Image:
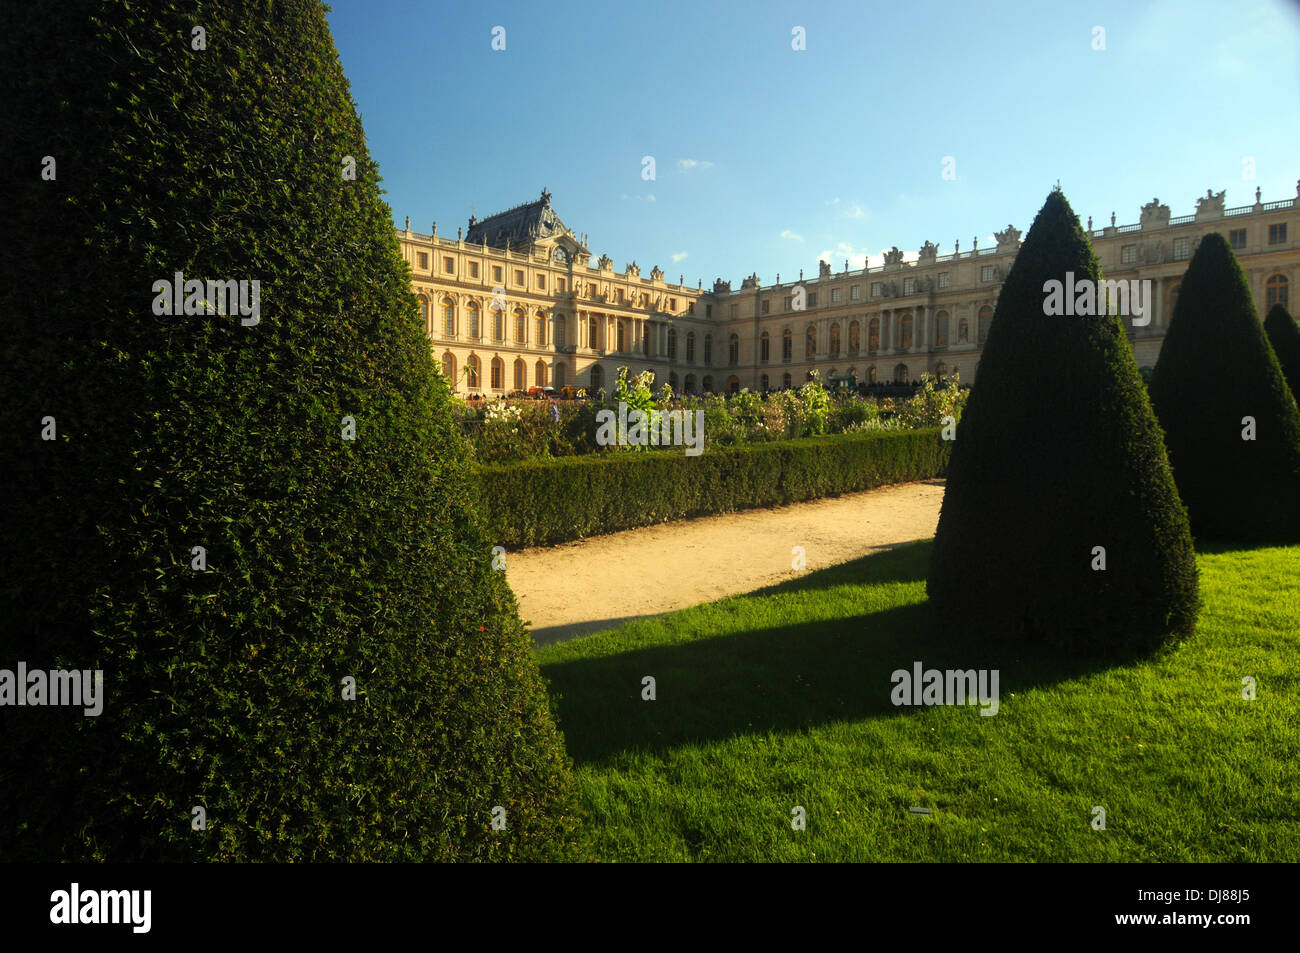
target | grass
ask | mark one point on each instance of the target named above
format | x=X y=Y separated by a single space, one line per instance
x=782 y=698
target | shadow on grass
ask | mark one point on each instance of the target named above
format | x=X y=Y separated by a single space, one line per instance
x=778 y=678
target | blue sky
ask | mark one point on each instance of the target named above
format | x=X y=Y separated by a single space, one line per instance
x=768 y=158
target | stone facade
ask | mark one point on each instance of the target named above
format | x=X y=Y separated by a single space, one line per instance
x=518 y=303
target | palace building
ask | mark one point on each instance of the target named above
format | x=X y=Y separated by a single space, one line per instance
x=515 y=301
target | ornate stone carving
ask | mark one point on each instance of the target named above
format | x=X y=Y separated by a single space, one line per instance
x=656 y=272
x=894 y=256
x=750 y=282
x=1008 y=236
x=1154 y=214
x=1211 y=206
x=929 y=251
x=633 y=269
x=823 y=269
x=721 y=287
x=605 y=263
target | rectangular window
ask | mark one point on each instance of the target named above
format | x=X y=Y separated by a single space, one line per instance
x=835 y=296
x=448 y=265
x=708 y=310
x=541 y=282
x=765 y=307
x=690 y=307
x=875 y=289
x=735 y=310
x=789 y=302
x=672 y=305
x=473 y=269
x=1128 y=255
x=496 y=273
x=424 y=261
x=1182 y=249
x=1237 y=237
x=1277 y=234
x=620 y=295
x=519 y=277
x=855 y=293
x=909 y=286
x=986 y=273
x=944 y=279
x=812 y=299
x=559 y=285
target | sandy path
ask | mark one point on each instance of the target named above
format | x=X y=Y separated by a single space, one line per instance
x=565 y=590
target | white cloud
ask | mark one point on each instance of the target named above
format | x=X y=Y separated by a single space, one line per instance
x=685 y=165
x=791 y=235
x=855 y=211
x=679 y=256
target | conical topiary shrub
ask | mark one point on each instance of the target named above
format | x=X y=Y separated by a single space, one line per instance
x=256 y=525
x=1231 y=424
x=1058 y=470
x=1283 y=334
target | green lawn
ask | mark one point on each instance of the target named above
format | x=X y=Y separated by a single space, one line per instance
x=782 y=698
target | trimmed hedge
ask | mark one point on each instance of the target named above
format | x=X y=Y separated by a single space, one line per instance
x=553 y=501
x=1283 y=334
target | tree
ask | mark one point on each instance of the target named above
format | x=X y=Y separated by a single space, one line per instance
x=258 y=525
x=1283 y=334
x=1234 y=444
x=1061 y=524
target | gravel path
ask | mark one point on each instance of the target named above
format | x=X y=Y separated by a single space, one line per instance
x=569 y=589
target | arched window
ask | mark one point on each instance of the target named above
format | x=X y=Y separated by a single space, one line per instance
x=471 y=372
x=835 y=340
x=690 y=351
x=905 y=333
x=622 y=336
x=540 y=340
x=787 y=346
x=785 y=380
x=519 y=325
x=521 y=374
x=984 y=320
x=672 y=382
x=499 y=324
x=559 y=376
x=810 y=343
x=672 y=344
x=593 y=333
x=539 y=374
x=706 y=385
x=559 y=331
x=764 y=381
x=597 y=378
x=448 y=318
x=690 y=380
x=424 y=315
x=873 y=335
x=871 y=374
x=708 y=351
x=733 y=350
x=941 y=329
x=900 y=374
x=764 y=347
x=963 y=331
x=472 y=315
x=1276 y=291
x=941 y=370
x=449 y=367
x=855 y=338
x=498 y=374
x=733 y=385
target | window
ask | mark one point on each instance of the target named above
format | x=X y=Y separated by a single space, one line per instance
x=708 y=310
x=963 y=331
x=785 y=381
x=986 y=274
x=519 y=277
x=812 y=300
x=645 y=339
x=448 y=318
x=875 y=289
x=733 y=385
x=519 y=325
x=559 y=331
x=855 y=293
x=496 y=273
x=1237 y=238
x=764 y=383
x=597 y=377
x=1277 y=234
x=708 y=352
x=835 y=340
x=559 y=376
x=787 y=347
x=672 y=305
x=706 y=385
x=424 y=261
x=540 y=340
x=765 y=306
x=539 y=374
x=1182 y=249
x=618 y=295
x=690 y=307
x=983 y=322
x=672 y=344
x=471 y=372
x=1275 y=291
x=764 y=347
x=449 y=366
x=906 y=332
x=499 y=325
x=900 y=374
x=424 y=314
x=941 y=370
x=873 y=335
x=941 y=329
x=733 y=350
x=835 y=296
x=789 y=302
x=871 y=374
x=672 y=383
x=620 y=335
x=521 y=376
x=448 y=265
x=541 y=282
x=498 y=373
x=855 y=338
x=909 y=286
x=735 y=310
x=944 y=279
x=593 y=336
x=472 y=310
x=690 y=384
x=473 y=269
x=560 y=285
x=809 y=343
x=690 y=348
